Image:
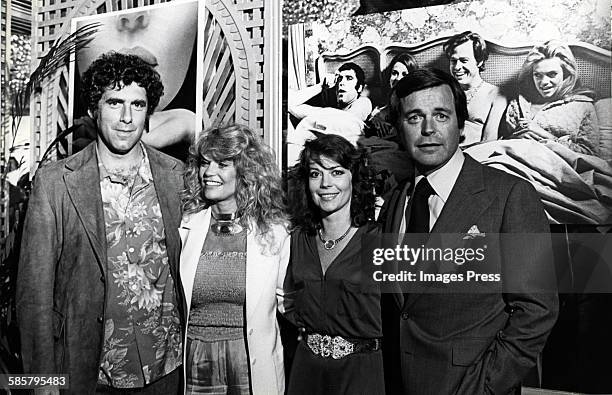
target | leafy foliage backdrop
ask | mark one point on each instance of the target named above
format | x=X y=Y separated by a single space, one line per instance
x=511 y=22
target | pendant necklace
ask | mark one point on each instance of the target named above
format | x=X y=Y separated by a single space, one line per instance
x=470 y=93
x=331 y=243
x=226 y=224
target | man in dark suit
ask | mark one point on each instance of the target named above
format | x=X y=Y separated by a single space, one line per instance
x=98 y=292
x=468 y=343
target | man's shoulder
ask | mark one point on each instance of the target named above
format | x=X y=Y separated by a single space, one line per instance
x=500 y=180
x=164 y=160
x=56 y=169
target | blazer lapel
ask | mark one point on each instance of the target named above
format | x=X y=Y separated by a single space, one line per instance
x=168 y=182
x=395 y=211
x=193 y=233
x=259 y=272
x=466 y=202
x=394 y=219
x=83 y=186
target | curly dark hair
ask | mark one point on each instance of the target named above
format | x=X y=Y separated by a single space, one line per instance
x=259 y=193
x=304 y=214
x=359 y=73
x=114 y=70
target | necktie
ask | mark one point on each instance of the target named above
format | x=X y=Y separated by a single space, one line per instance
x=419 y=211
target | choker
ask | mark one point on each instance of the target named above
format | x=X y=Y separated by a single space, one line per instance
x=331 y=243
x=226 y=224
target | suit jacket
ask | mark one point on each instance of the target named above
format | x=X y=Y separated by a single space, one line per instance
x=475 y=343
x=63 y=263
x=266 y=265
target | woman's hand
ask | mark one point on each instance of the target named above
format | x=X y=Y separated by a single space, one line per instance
x=529 y=129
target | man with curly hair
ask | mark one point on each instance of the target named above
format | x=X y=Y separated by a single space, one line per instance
x=98 y=293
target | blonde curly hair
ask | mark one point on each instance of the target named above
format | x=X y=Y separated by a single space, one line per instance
x=259 y=193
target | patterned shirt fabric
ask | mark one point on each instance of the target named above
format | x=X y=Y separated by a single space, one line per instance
x=219 y=289
x=142 y=332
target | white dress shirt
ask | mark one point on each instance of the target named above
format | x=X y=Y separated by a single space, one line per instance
x=442 y=181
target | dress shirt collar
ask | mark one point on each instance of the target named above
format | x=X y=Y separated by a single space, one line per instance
x=443 y=179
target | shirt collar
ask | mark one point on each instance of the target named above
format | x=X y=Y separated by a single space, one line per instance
x=443 y=179
x=144 y=169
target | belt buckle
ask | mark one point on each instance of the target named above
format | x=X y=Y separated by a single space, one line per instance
x=341 y=348
x=328 y=346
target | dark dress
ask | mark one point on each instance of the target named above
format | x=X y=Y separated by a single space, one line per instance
x=334 y=304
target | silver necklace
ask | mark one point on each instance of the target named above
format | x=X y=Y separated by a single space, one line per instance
x=470 y=93
x=331 y=243
x=226 y=224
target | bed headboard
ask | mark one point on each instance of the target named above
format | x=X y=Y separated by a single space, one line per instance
x=501 y=68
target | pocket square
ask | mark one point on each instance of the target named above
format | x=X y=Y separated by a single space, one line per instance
x=473 y=232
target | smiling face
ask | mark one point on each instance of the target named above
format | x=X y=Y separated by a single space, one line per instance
x=463 y=65
x=163 y=37
x=398 y=72
x=121 y=117
x=330 y=186
x=346 y=87
x=548 y=77
x=218 y=180
x=429 y=129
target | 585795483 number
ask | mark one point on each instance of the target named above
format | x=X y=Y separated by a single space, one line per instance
x=31 y=381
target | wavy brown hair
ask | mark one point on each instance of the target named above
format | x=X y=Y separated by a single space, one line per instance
x=259 y=193
x=304 y=213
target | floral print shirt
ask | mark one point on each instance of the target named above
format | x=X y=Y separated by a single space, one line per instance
x=142 y=333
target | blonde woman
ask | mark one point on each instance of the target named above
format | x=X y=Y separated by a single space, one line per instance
x=552 y=105
x=233 y=263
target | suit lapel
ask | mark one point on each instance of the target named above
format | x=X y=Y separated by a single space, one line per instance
x=83 y=186
x=393 y=221
x=395 y=215
x=168 y=182
x=466 y=202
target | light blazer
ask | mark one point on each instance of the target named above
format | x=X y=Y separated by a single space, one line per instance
x=62 y=267
x=265 y=273
x=476 y=343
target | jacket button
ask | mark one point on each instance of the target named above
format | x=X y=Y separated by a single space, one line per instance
x=102 y=278
x=250 y=331
x=253 y=361
x=405 y=316
x=100 y=319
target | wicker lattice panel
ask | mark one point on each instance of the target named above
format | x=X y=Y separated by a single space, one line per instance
x=233 y=60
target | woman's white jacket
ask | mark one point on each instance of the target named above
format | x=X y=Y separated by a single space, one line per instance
x=266 y=265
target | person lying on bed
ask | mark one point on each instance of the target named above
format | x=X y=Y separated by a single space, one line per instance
x=344 y=94
x=552 y=105
x=337 y=110
x=382 y=120
x=467 y=53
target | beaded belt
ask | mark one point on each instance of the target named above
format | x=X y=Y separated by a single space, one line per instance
x=338 y=347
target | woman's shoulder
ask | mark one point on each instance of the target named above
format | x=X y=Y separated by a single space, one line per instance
x=193 y=218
